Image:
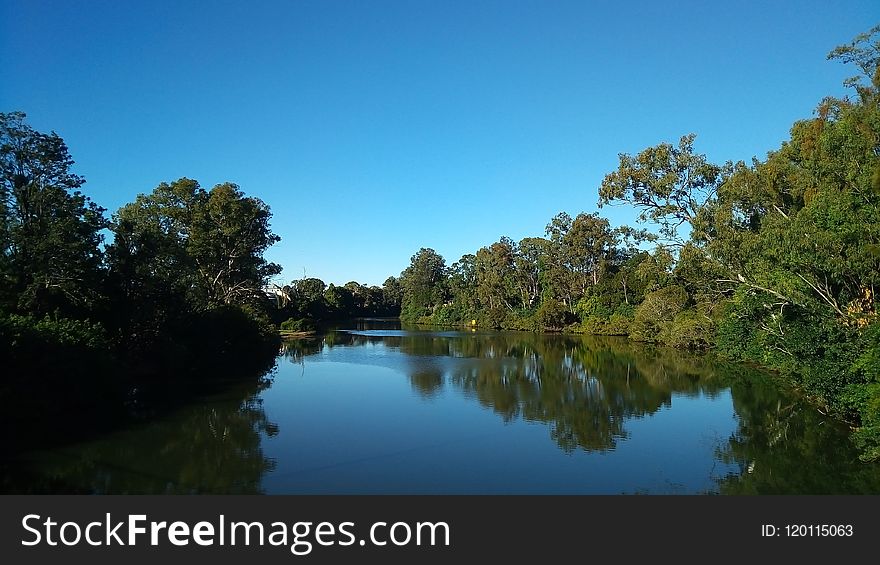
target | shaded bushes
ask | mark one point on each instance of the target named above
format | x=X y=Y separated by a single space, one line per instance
x=300 y=325
x=653 y=316
x=56 y=371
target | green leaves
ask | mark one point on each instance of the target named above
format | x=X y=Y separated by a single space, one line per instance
x=181 y=251
x=864 y=52
x=669 y=185
x=210 y=243
x=51 y=233
x=424 y=284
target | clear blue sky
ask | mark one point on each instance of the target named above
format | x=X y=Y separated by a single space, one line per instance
x=375 y=128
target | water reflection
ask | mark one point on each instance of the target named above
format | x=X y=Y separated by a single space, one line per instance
x=584 y=387
x=785 y=446
x=383 y=409
x=211 y=447
x=588 y=390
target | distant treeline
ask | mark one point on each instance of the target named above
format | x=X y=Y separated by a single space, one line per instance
x=305 y=303
x=776 y=261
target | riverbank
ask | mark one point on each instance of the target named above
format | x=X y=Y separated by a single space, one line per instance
x=292 y=334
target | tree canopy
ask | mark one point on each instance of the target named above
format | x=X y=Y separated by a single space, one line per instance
x=668 y=184
x=775 y=262
x=51 y=232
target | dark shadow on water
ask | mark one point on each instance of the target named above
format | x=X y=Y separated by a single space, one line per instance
x=165 y=430
x=213 y=446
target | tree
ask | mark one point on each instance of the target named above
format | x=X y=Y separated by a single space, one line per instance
x=182 y=250
x=577 y=252
x=392 y=295
x=307 y=298
x=587 y=246
x=153 y=279
x=655 y=269
x=557 y=283
x=627 y=255
x=360 y=296
x=374 y=301
x=462 y=286
x=229 y=234
x=209 y=244
x=423 y=284
x=340 y=300
x=530 y=265
x=495 y=276
x=151 y=276
x=668 y=184
x=799 y=236
x=50 y=234
x=864 y=51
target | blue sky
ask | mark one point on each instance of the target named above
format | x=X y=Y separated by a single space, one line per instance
x=375 y=128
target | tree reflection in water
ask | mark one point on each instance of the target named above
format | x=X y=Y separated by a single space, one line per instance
x=584 y=387
x=587 y=388
x=588 y=391
x=211 y=447
x=783 y=445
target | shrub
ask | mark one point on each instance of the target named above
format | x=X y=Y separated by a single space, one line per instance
x=25 y=335
x=867 y=396
x=653 y=316
x=738 y=336
x=867 y=436
x=690 y=330
x=551 y=315
x=593 y=325
x=493 y=317
x=618 y=324
x=446 y=315
x=59 y=368
x=591 y=307
x=225 y=342
x=300 y=325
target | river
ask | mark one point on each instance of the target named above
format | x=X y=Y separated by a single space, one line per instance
x=372 y=408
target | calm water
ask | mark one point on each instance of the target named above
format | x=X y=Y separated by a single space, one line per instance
x=375 y=410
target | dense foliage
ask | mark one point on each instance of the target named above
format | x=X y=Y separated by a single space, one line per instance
x=776 y=261
x=305 y=303
x=84 y=326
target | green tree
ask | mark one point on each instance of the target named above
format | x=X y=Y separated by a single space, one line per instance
x=799 y=236
x=424 y=284
x=558 y=279
x=392 y=295
x=308 y=298
x=227 y=239
x=864 y=52
x=587 y=247
x=340 y=300
x=360 y=297
x=209 y=242
x=669 y=185
x=578 y=251
x=530 y=264
x=462 y=286
x=50 y=233
x=181 y=251
x=494 y=271
x=151 y=277
x=626 y=256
